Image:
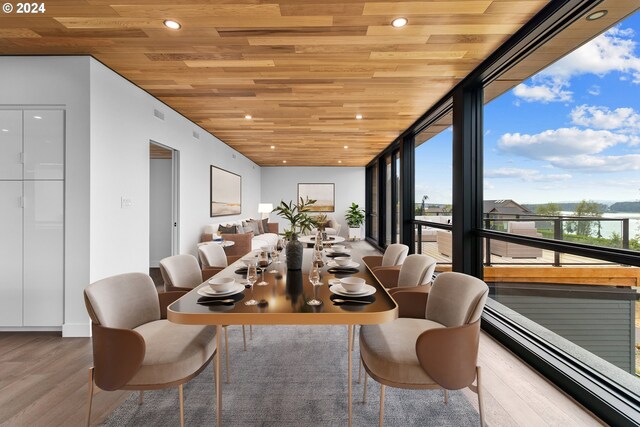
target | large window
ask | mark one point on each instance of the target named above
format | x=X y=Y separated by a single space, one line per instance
x=433 y=190
x=561 y=161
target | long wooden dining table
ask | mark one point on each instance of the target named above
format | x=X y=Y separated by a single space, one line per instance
x=283 y=302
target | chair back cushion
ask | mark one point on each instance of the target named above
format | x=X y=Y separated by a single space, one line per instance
x=212 y=255
x=125 y=301
x=416 y=270
x=181 y=271
x=395 y=254
x=522 y=227
x=456 y=299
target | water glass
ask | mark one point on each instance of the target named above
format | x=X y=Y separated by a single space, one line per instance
x=252 y=277
x=314 y=278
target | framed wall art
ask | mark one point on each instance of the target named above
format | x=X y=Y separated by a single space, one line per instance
x=226 y=192
x=323 y=194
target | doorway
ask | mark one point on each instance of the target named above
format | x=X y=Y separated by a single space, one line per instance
x=163 y=203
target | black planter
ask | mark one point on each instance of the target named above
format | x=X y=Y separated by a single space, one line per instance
x=294 y=253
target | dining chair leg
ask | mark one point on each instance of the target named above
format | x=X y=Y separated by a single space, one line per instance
x=226 y=352
x=446 y=396
x=90 y=396
x=181 y=405
x=381 y=422
x=141 y=397
x=364 y=394
x=360 y=371
x=479 y=391
x=244 y=338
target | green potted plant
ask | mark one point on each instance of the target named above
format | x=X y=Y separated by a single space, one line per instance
x=355 y=219
x=299 y=223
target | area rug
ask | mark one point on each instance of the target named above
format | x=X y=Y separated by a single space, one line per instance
x=292 y=376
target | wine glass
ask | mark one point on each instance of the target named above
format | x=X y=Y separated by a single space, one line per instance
x=314 y=278
x=252 y=277
x=274 y=258
x=263 y=262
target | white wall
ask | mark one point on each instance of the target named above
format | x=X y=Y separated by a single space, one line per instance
x=109 y=123
x=160 y=210
x=122 y=124
x=61 y=82
x=281 y=183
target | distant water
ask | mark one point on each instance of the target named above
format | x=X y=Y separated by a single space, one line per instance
x=609 y=227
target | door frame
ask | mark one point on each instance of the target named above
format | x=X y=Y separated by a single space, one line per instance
x=175 y=196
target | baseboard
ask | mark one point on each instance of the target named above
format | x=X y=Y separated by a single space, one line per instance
x=70 y=330
x=31 y=329
x=154 y=264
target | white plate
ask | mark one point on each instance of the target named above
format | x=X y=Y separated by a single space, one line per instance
x=352 y=264
x=331 y=250
x=339 y=290
x=206 y=291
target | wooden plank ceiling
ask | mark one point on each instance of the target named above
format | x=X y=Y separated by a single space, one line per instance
x=302 y=69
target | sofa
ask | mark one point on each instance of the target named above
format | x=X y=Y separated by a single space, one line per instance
x=429 y=234
x=513 y=250
x=244 y=242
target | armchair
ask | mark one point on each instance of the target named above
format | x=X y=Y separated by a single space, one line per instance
x=134 y=346
x=213 y=259
x=434 y=342
x=417 y=270
x=394 y=255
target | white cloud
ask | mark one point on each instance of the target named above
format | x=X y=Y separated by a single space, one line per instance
x=601 y=163
x=562 y=142
x=525 y=175
x=594 y=90
x=573 y=148
x=613 y=50
x=546 y=92
x=610 y=51
x=624 y=119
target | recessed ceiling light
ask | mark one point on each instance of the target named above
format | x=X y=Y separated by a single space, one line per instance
x=174 y=25
x=248 y=117
x=597 y=15
x=5 y=130
x=37 y=117
x=273 y=147
x=346 y=146
x=339 y=161
x=358 y=116
x=284 y=161
x=399 y=22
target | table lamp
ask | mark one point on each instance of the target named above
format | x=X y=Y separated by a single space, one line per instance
x=265 y=209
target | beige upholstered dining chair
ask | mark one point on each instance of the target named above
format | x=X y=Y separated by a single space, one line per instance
x=434 y=342
x=134 y=346
x=212 y=257
x=395 y=254
x=417 y=270
x=182 y=272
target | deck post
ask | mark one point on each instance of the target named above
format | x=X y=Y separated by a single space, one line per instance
x=557 y=235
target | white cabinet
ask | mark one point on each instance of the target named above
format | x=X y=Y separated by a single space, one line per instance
x=31 y=218
x=11 y=253
x=43 y=144
x=10 y=144
x=43 y=249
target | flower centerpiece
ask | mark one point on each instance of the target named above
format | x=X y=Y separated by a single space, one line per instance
x=299 y=223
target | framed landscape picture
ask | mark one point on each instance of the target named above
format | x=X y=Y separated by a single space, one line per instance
x=226 y=192
x=323 y=194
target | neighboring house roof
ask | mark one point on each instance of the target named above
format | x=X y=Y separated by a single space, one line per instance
x=506 y=206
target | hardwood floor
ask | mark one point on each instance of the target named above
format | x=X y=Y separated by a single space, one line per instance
x=43 y=382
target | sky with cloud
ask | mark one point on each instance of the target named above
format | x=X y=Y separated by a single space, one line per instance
x=569 y=133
